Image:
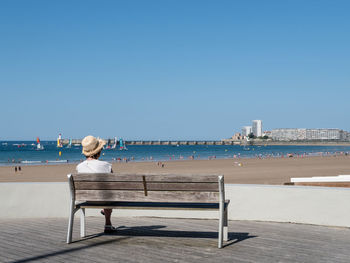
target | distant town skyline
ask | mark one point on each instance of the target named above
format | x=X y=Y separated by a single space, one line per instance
x=290 y=133
x=171 y=70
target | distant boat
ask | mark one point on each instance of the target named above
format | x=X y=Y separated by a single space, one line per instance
x=59 y=141
x=57 y=161
x=108 y=146
x=39 y=147
x=20 y=144
x=69 y=144
x=115 y=143
x=122 y=145
x=25 y=161
x=246 y=144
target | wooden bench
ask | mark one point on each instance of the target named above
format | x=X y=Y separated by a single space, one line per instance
x=197 y=192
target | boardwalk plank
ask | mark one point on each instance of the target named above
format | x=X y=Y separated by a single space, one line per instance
x=172 y=240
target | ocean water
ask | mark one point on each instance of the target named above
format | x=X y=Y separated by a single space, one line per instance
x=24 y=152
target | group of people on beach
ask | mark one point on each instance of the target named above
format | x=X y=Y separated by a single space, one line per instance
x=160 y=164
x=18 y=169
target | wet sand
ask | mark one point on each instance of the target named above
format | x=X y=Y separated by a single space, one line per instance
x=238 y=171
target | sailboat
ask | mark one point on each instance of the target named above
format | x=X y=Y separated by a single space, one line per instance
x=59 y=141
x=108 y=146
x=246 y=144
x=115 y=143
x=122 y=145
x=69 y=144
x=39 y=146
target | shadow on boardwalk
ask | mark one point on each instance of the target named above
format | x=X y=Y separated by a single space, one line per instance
x=171 y=240
x=123 y=233
x=153 y=231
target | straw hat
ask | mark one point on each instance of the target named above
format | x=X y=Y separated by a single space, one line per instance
x=92 y=145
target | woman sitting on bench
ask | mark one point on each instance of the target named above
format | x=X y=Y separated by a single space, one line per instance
x=92 y=148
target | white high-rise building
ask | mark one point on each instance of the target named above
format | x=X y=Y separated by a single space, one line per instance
x=257 y=128
x=246 y=130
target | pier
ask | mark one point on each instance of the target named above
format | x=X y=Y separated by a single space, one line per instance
x=175 y=143
x=221 y=142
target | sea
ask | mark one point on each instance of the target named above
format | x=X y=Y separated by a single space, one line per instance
x=26 y=153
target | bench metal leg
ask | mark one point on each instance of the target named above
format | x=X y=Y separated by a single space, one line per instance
x=225 y=224
x=82 y=222
x=70 y=224
x=221 y=226
x=221 y=209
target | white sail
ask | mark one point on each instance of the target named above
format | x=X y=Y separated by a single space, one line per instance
x=39 y=146
x=115 y=143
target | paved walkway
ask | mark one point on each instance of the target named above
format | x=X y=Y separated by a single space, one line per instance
x=171 y=240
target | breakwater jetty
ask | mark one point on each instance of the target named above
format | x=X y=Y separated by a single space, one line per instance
x=221 y=142
x=160 y=142
x=175 y=143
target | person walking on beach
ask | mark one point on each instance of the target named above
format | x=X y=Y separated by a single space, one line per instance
x=92 y=148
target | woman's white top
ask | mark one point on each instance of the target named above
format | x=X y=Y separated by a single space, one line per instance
x=94 y=166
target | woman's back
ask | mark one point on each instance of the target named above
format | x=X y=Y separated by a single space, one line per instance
x=94 y=166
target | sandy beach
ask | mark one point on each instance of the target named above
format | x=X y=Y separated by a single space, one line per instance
x=238 y=171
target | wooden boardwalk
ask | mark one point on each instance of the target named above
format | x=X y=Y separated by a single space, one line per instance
x=171 y=240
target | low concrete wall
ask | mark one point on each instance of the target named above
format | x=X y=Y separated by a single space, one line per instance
x=297 y=204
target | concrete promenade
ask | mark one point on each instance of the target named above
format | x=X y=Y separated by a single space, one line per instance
x=145 y=239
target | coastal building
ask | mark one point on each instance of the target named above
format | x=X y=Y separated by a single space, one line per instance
x=288 y=134
x=346 y=136
x=296 y=134
x=246 y=130
x=267 y=133
x=257 y=128
x=324 y=134
x=237 y=137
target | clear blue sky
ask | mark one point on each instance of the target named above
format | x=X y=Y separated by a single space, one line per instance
x=172 y=69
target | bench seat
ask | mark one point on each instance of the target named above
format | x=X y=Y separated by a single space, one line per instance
x=150 y=205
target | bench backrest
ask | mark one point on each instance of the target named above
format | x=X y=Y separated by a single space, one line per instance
x=147 y=188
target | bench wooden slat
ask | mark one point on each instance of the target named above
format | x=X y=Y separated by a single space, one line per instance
x=152 y=196
x=208 y=187
x=151 y=205
x=149 y=178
